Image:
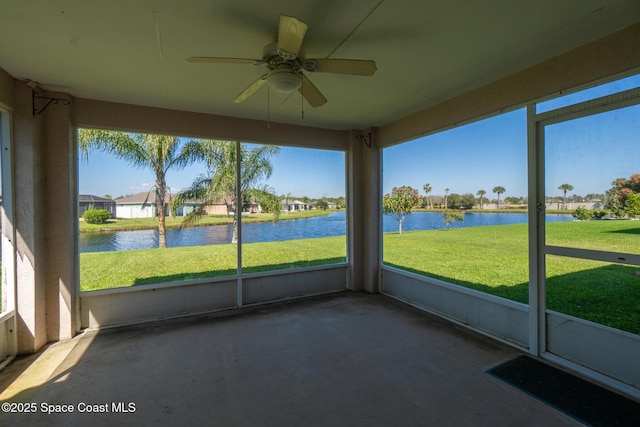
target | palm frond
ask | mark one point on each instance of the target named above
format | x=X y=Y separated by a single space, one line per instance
x=267 y=198
x=122 y=145
x=193 y=217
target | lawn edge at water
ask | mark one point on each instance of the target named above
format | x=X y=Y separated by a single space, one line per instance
x=136 y=224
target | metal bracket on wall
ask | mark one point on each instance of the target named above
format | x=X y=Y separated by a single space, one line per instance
x=35 y=96
x=365 y=138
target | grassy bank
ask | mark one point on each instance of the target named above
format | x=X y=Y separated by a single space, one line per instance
x=130 y=224
x=495 y=260
x=492 y=259
x=105 y=270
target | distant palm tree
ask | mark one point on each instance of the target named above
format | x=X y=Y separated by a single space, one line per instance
x=156 y=152
x=286 y=198
x=499 y=190
x=446 y=194
x=220 y=184
x=427 y=189
x=565 y=188
x=481 y=193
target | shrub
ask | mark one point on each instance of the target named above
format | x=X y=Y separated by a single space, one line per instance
x=582 y=214
x=96 y=216
x=632 y=205
x=322 y=204
x=599 y=214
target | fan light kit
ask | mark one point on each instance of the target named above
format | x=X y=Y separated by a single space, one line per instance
x=286 y=67
x=284 y=81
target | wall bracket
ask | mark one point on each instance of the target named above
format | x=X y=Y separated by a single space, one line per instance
x=365 y=138
x=35 y=96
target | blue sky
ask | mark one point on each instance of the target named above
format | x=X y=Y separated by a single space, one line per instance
x=480 y=155
x=299 y=171
x=588 y=153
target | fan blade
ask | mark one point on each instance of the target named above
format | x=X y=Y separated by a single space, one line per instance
x=222 y=60
x=311 y=93
x=291 y=32
x=357 y=67
x=253 y=88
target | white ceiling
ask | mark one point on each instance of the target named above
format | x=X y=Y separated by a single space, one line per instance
x=133 y=51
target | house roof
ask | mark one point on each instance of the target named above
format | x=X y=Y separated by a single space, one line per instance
x=90 y=198
x=150 y=197
x=140 y=198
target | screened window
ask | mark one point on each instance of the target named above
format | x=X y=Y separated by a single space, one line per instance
x=469 y=222
x=286 y=207
x=592 y=171
x=311 y=228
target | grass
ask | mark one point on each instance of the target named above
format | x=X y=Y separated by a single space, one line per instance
x=495 y=260
x=106 y=270
x=129 y=224
x=491 y=259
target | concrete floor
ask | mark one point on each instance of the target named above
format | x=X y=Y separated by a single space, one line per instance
x=350 y=359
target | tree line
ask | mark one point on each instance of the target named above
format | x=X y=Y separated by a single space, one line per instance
x=623 y=200
x=457 y=201
x=469 y=201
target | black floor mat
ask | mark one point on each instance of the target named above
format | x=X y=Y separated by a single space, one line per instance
x=583 y=400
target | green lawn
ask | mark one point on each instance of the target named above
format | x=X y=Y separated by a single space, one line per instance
x=495 y=260
x=491 y=259
x=105 y=270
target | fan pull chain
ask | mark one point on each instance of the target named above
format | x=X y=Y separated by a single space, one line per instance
x=302 y=100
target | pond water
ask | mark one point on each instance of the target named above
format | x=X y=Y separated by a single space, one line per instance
x=325 y=226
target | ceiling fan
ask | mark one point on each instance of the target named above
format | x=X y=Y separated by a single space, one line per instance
x=286 y=66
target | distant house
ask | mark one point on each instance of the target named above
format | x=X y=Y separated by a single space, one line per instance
x=141 y=205
x=253 y=207
x=88 y=201
x=293 y=205
x=190 y=205
x=222 y=209
x=135 y=207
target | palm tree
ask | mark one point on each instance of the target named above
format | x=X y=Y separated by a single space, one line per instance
x=446 y=193
x=565 y=188
x=286 y=200
x=160 y=153
x=427 y=189
x=219 y=185
x=481 y=193
x=499 y=190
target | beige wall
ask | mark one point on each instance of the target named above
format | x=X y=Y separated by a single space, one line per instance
x=60 y=172
x=44 y=199
x=29 y=184
x=108 y=115
x=45 y=168
x=7 y=90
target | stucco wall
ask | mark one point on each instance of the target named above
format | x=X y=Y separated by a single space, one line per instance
x=29 y=185
x=109 y=115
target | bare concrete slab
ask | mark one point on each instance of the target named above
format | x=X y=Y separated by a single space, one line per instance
x=350 y=359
